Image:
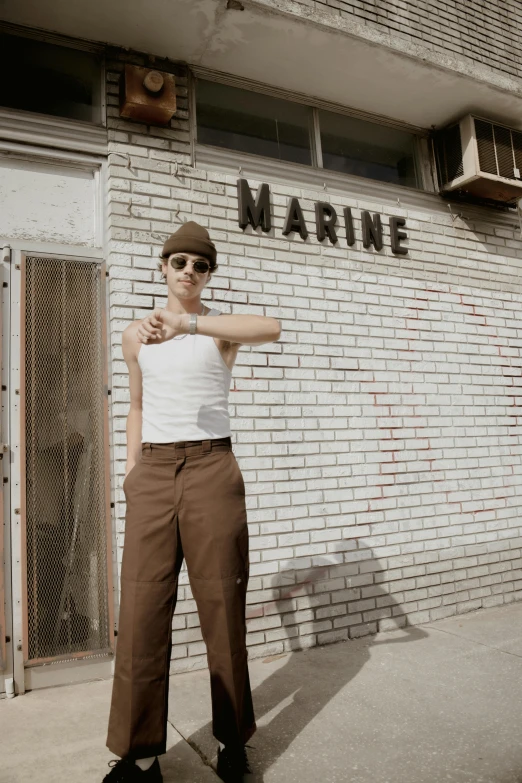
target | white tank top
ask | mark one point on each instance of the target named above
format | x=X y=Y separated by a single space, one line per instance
x=185 y=387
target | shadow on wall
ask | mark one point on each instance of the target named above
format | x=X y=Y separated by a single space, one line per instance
x=310 y=602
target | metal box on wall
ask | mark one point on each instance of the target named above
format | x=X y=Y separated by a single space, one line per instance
x=147 y=95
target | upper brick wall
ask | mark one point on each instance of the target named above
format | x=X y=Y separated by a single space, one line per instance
x=479 y=31
x=379 y=438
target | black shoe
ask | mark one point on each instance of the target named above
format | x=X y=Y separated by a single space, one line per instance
x=232 y=764
x=127 y=771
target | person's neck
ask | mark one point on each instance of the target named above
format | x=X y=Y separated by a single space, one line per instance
x=191 y=306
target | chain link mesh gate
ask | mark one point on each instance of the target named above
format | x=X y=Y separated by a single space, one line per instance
x=66 y=525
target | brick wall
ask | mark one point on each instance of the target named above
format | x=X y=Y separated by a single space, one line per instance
x=481 y=31
x=380 y=438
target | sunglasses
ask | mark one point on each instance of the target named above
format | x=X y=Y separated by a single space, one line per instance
x=180 y=263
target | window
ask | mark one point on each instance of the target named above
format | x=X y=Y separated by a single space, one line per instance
x=354 y=146
x=259 y=124
x=251 y=122
x=50 y=79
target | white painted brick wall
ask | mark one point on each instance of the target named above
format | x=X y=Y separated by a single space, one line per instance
x=380 y=438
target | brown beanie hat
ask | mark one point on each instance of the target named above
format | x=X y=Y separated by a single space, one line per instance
x=190 y=238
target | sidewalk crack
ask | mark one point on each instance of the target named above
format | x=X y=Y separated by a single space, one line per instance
x=474 y=641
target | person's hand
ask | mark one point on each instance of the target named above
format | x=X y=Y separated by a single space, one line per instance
x=160 y=326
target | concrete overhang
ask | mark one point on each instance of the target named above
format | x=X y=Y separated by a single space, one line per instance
x=277 y=43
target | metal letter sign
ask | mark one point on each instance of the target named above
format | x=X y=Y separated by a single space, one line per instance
x=325 y=220
x=348 y=222
x=294 y=220
x=257 y=214
x=372 y=230
x=397 y=235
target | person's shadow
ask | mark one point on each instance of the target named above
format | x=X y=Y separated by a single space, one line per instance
x=329 y=602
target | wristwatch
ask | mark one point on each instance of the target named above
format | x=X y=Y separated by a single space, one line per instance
x=192 y=323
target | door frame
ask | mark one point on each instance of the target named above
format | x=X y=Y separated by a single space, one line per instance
x=6 y=562
x=98 y=664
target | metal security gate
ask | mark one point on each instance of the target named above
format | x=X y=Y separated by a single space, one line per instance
x=65 y=520
x=64 y=615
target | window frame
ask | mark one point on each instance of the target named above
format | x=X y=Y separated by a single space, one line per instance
x=311 y=129
x=67 y=43
x=423 y=157
x=417 y=151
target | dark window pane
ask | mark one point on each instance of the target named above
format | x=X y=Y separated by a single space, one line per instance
x=50 y=79
x=252 y=122
x=367 y=149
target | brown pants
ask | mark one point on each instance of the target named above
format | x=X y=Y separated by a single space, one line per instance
x=184 y=500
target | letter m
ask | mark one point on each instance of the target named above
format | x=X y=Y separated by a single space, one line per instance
x=257 y=212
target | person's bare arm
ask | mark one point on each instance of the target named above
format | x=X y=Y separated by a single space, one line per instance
x=130 y=347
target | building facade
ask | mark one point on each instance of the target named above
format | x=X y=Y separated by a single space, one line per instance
x=380 y=437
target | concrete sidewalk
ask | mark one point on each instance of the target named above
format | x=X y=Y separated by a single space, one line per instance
x=439 y=702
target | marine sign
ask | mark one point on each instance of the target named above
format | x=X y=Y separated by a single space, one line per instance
x=257 y=212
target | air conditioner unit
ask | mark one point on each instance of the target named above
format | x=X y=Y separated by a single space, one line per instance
x=480 y=157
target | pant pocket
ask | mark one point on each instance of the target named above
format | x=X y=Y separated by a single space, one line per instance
x=244 y=550
x=238 y=479
x=131 y=473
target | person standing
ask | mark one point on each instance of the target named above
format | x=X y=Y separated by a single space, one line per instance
x=185 y=497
